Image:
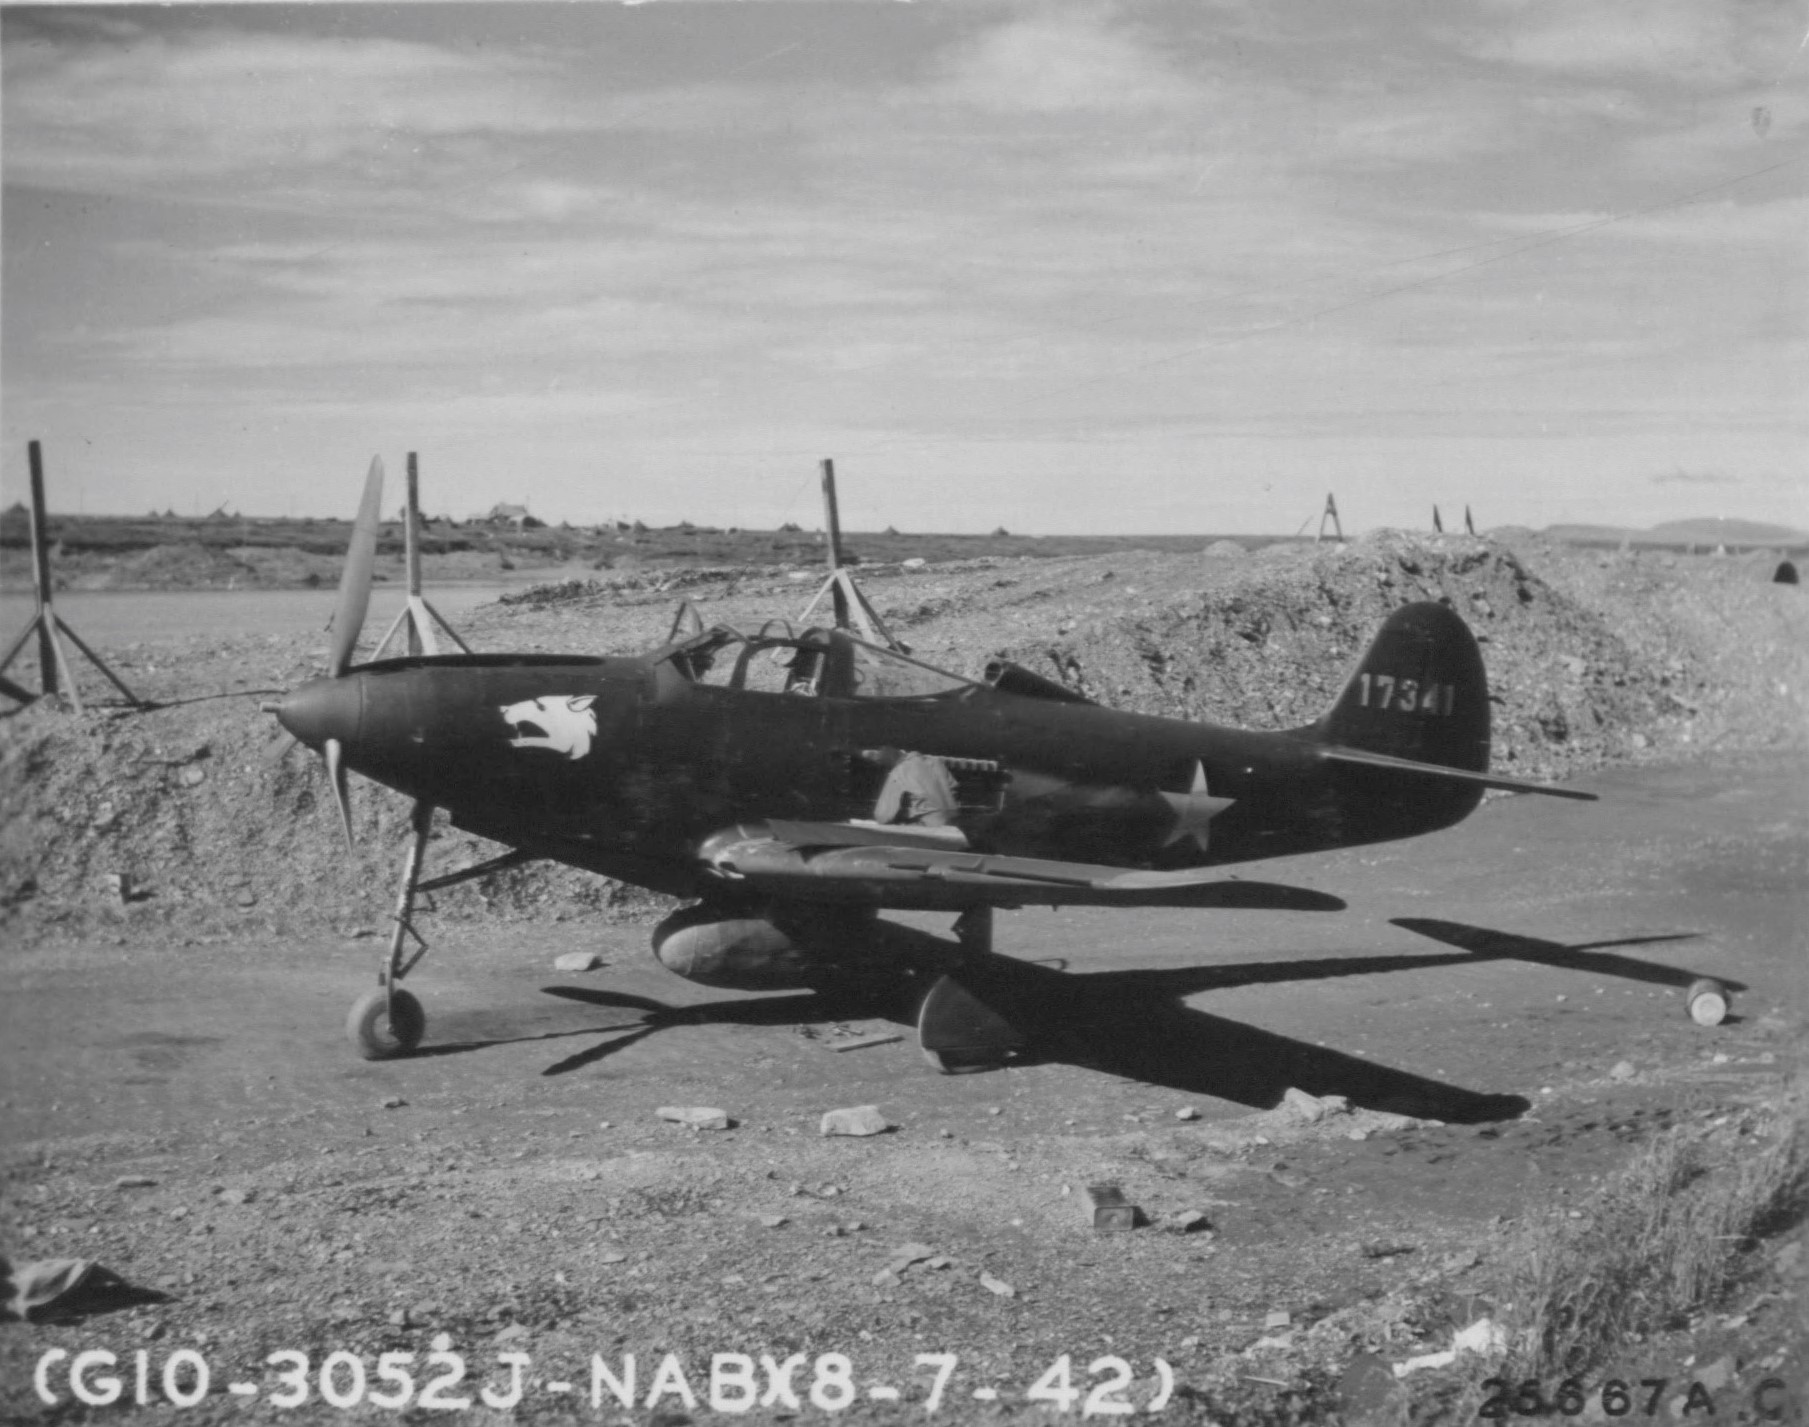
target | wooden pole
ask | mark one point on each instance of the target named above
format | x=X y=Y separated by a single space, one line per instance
x=40 y=560
x=54 y=666
x=416 y=621
x=832 y=521
x=832 y=529
x=412 y=549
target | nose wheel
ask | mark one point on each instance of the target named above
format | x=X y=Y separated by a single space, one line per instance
x=386 y=1023
x=389 y=1022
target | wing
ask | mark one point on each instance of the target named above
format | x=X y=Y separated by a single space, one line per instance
x=933 y=869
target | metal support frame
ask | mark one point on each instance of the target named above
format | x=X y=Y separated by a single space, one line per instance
x=849 y=605
x=1330 y=513
x=55 y=672
x=416 y=621
x=853 y=611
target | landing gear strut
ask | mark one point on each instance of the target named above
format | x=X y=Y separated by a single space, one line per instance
x=957 y=1032
x=389 y=1022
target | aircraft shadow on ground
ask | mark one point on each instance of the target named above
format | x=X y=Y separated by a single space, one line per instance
x=1484 y=944
x=1136 y=1023
x=1132 y=1024
x=100 y=1291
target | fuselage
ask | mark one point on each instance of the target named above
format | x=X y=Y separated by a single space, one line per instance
x=627 y=765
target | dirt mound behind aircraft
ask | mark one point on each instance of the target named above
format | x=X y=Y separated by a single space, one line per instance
x=1594 y=658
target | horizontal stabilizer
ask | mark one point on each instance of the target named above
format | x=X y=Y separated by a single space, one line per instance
x=1458 y=775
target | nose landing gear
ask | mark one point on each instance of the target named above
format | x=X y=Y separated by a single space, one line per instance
x=389 y=1022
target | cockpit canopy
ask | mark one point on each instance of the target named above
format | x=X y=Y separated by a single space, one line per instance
x=825 y=663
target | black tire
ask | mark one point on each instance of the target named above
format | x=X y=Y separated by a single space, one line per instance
x=969 y=1062
x=382 y=1027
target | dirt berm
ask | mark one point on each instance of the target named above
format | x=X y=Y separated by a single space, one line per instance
x=216 y=822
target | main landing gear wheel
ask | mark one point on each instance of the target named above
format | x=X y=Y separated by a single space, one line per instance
x=960 y=1034
x=1707 y=1001
x=383 y=1025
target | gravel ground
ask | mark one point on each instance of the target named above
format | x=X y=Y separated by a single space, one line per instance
x=173 y=1113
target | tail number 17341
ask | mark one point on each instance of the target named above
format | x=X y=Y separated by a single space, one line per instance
x=1386 y=691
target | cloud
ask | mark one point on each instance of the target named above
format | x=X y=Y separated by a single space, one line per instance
x=1714 y=41
x=1681 y=477
x=993 y=228
x=140 y=108
x=1064 y=62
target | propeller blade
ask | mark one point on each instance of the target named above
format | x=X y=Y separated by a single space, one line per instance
x=355 y=580
x=336 y=776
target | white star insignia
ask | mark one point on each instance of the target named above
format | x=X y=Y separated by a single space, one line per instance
x=1193 y=810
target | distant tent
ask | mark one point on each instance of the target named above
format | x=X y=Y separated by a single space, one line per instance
x=1000 y=533
x=791 y=527
x=1785 y=574
x=891 y=530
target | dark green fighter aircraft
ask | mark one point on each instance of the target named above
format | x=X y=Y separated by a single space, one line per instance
x=796 y=783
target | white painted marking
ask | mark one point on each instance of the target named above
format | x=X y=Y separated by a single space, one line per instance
x=883 y=1394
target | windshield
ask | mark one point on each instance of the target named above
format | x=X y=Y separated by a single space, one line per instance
x=816 y=662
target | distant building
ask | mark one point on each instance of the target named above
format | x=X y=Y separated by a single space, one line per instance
x=515 y=515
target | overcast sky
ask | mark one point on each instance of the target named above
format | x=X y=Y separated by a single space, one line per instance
x=1063 y=268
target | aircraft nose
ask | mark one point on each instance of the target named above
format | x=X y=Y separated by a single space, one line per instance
x=323 y=709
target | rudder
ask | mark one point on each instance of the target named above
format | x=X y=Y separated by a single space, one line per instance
x=1419 y=692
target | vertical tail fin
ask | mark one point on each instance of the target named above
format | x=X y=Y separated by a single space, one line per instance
x=1419 y=693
